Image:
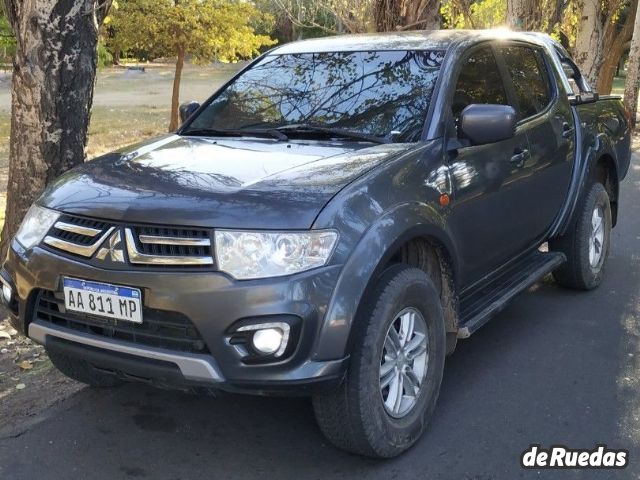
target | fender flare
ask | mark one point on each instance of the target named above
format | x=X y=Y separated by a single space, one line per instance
x=599 y=147
x=609 y=151
x=374 y=249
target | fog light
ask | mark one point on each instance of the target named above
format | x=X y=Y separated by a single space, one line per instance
x=7 y=293
x=267 y=341
x=269 y=338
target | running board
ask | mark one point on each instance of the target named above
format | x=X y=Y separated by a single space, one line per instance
x=477 y=308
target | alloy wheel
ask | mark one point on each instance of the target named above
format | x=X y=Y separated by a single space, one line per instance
x=596 y=242
x=404 y=362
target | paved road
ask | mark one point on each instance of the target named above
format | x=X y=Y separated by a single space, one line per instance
x=557 y=367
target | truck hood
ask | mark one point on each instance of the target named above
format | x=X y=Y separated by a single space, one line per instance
x=225 y=183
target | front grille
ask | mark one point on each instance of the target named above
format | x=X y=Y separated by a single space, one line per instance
x=145 y=245
x=167 y=248
x=159 y=328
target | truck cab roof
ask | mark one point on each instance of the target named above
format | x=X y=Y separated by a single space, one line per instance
x=411 y=40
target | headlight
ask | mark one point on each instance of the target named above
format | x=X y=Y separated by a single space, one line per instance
x=250 y=255
x=35 y=225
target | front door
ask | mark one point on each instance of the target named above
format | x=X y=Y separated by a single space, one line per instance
x=485 y=201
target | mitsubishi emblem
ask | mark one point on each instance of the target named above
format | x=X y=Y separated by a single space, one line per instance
x=113 y=249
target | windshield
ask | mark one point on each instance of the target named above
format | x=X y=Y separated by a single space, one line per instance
x=382 y=93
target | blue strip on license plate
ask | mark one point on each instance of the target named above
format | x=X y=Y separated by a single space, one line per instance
x=101 y=288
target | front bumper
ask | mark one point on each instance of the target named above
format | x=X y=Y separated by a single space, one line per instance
x=212 y=301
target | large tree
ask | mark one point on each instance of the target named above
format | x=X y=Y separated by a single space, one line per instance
x=54 y=72
x=604 y=28
x=204 y=29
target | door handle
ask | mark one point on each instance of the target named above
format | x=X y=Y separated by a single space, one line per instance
x=520 y=156
x=567 y=130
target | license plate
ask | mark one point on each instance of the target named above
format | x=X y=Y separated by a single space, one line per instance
x=103 y=299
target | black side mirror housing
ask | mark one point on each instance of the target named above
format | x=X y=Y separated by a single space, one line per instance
x=486 y=123
x=187 y=109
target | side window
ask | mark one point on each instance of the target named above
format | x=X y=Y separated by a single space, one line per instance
x=530 y=79
x=479 y=82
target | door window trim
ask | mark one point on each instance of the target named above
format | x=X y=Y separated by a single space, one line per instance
x=448 y=104
x=509 y=83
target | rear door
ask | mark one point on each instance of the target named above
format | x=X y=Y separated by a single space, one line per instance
x=487 y=205
x=545 y=117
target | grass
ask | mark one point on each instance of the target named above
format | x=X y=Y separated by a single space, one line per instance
x=115 y=127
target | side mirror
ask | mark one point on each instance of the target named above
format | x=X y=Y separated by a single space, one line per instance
x=187 y=109
x=484 y=123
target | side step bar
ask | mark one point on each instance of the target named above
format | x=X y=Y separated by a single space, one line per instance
x=477 y=308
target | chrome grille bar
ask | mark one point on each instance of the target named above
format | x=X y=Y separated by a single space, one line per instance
x=137 y=257
x=82 y=250
x=185 y=242
x=79 y=229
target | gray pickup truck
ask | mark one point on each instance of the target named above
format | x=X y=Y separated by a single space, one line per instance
x=329 y=223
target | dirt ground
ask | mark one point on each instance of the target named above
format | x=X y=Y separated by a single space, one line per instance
x=29 y=383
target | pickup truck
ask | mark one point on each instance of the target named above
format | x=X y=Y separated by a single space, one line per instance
x=329 y=223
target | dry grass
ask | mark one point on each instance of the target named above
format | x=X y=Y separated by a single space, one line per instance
x=114 y=127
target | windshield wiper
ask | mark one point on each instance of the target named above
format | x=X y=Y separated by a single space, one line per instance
x=338 y=132
x=280 y=132
x=241 y=132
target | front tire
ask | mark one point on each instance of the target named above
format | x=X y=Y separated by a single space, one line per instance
x=396 y=366
x=586 y=243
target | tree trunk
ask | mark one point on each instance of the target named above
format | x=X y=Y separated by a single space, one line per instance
x=633 y=65
x=534 y=15
x=429 y=18
x=54 y=72
x=615 y=40
x=600 y=40
x=523 y=14
x=588 y=50
x=609 y=67
x=392 y=15
x=175 y=96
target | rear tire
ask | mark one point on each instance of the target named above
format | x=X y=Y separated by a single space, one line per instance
x=586 y=243
x=361 y=415
x=82 y=371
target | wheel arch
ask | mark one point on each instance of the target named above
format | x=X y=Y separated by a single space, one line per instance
x=605 y=171
x=414 y=233
x=431 y=255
